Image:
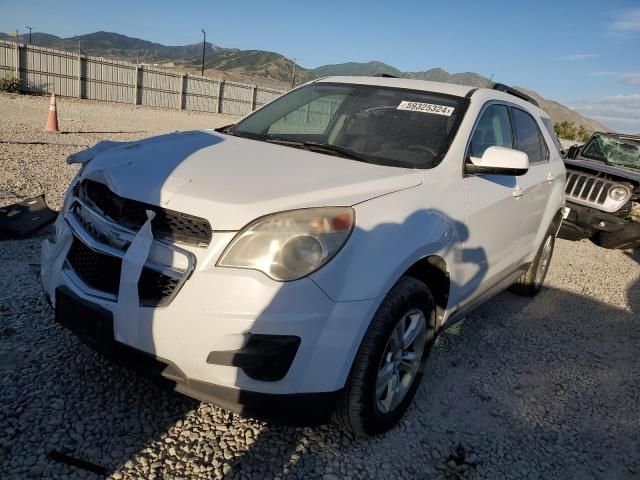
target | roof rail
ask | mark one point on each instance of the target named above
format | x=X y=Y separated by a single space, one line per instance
x=501 y=87
x=385 y=75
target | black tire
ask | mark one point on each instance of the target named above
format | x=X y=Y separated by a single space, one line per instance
x=529 y=284
x=358 y=406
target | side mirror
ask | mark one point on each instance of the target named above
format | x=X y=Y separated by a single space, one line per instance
x=499 y=161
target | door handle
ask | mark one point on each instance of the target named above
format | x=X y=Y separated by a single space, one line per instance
x=550 y=177
x=517 y=192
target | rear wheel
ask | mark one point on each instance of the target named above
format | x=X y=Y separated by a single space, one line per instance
x=390 y=361
x=531 y=282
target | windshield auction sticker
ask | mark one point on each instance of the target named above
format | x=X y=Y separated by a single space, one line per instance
x=426 y=108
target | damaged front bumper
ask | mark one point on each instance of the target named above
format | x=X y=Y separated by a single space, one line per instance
x=586 y=222
x=301 y=409
x=219 y=334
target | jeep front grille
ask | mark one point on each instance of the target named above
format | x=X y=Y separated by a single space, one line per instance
x=167 y=224
x=101 y=271
x=591 y=190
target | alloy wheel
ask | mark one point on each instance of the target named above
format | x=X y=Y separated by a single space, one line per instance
x=545 y=259
x=401 y=360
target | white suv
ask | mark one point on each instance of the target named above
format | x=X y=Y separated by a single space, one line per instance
x=301 y=261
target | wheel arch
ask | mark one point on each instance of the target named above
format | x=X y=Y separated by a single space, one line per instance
x=433 y=272
x=557 y=220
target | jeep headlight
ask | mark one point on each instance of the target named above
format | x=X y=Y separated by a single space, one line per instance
x=618 y=193
x=290 y=245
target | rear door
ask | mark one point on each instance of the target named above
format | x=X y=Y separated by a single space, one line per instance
x=535 y=183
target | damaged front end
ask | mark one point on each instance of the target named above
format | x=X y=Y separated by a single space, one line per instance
x=118 y=250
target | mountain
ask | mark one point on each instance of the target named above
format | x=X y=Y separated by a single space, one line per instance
x=358 y=69
x=377 y=68
x=556 y=111
x=267 y=68
x=559 y=112
x=262 y=67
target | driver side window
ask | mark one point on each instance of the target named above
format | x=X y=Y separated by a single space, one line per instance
x=493 y=129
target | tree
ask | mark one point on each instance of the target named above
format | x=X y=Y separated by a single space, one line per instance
x=568 y=131
x=583 y=135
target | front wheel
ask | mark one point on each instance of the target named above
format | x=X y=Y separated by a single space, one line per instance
x=531 y=282
x=390 y=361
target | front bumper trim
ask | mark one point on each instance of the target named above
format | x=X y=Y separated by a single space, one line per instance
x=93 y=325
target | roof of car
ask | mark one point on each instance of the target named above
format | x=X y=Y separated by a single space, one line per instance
x=483 y=94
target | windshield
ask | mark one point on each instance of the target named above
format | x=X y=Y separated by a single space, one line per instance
x=387 y=126
x=613 y=151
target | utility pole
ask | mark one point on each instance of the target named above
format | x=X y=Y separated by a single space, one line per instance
x=204 y=42
x=28 y=27
x=293 y=74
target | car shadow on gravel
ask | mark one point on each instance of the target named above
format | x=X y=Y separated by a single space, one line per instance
x=521 y=388
x=633 y=254
x=297 y=452
x=544 y=387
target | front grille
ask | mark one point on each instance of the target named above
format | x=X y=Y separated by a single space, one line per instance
x=587 y=188
x=167 y=224
x=102 y=272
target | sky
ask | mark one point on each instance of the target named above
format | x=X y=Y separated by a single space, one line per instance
x=583 y=53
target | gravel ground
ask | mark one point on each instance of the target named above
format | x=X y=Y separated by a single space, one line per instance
x=32 y=161
x=541 y=388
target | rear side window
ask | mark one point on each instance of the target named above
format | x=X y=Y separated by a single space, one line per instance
x=528 y=136
x=493 y=129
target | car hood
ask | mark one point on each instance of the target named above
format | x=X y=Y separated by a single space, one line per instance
x=230 y=181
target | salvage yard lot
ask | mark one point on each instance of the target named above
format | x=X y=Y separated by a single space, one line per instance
x=543 y=388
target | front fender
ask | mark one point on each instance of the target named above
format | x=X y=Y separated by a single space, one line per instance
x=382 y=248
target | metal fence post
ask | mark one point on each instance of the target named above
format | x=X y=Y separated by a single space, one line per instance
x=17 y=72
x=220 y=94
x=181 y=92
x=79 y=75
x=254 y=98
x=135 y=85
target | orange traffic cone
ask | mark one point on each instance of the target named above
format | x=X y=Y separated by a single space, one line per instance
x=52 y=118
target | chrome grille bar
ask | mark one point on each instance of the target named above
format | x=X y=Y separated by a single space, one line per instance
x=591 y=190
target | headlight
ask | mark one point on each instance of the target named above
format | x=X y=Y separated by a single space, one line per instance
x=618 y=193
x=290 y=245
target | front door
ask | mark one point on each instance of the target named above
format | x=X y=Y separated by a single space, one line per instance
x=494 y=210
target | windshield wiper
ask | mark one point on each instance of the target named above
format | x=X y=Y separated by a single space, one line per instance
x=312 y=146
x=322 y=148
x=229 y=130
x=335 y=149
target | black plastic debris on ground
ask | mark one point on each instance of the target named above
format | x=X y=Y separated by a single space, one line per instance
x=75 y=462
x=25 y=218
x=459 y=463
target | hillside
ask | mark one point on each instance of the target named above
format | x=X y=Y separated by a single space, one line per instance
x=266 y=68
x=556 y=111
x=262 y=67
x=376 y=68
x=559 y=112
